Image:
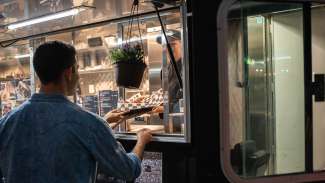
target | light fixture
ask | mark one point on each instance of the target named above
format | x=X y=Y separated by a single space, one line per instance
x=58 y=15
x=136 y=39
x=22 y=56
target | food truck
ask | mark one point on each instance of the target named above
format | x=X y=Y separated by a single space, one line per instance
x=242 y=97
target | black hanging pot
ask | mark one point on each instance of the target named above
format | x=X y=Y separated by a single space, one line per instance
x=129 y=74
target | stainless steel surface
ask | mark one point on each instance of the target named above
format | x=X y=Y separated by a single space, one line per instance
x=257 y=86
x=155 y=61
x=186 y=74
x=32 y=72
x=178 y=139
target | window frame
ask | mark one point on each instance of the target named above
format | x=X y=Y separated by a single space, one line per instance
x=222 y=35
x=184 y=138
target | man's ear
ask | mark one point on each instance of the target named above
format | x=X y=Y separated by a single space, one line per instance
x=68 y=73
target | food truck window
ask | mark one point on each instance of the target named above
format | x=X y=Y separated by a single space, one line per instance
x=96 y=33
x=267 y=69
x=158 y=102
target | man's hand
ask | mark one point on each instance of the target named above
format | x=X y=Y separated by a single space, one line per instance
x=144 y=136
x=114 y=116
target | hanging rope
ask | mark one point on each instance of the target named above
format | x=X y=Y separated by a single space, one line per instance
x=138 y=17
x=134 y=10
x=129 y=30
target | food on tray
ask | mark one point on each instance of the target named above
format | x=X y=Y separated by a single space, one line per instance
x=137 y=98
x=155 y=98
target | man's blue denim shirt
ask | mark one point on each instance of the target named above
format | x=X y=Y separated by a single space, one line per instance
x=49 y=139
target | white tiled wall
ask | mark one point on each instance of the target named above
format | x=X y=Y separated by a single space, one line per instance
x=289 y=92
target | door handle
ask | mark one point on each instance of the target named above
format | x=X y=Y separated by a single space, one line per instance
x=318 y=87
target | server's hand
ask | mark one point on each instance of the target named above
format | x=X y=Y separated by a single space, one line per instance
x=157 y=109
x=114 y=116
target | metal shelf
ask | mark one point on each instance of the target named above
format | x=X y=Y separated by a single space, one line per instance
x=11 y=79
x=87 y=49
x=13 y=61
x=107 y=70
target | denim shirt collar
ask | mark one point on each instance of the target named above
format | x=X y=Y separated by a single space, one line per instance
x=46 y=97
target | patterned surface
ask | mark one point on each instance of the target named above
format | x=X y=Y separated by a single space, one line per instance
x=155 y=99
x=151 y=168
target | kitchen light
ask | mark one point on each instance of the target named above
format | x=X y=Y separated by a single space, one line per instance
x=155 y=70
x=22 y=56
x=58 y=15
x=136 y=39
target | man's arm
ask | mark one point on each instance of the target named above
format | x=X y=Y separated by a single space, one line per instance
x=111 y=156
x=114 y=116
x=144 y=137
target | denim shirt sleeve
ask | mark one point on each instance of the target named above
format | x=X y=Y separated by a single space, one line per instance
x=110 y=155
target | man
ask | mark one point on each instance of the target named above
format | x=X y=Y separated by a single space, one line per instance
x=174 y=89
x=50 y=139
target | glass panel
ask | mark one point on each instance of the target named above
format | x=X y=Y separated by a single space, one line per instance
x=98 y=90
x=14 y=76
x=266 y=88
x=318 y=67
x=19 y=10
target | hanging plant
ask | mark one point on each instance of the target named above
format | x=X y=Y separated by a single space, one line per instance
x=128 y=54
x=128 y=60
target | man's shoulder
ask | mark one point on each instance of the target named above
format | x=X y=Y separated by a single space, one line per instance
x=66 y=111
x=90 y=115
x=83 y=116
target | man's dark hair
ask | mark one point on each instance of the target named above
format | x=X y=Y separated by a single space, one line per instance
x=51 y=59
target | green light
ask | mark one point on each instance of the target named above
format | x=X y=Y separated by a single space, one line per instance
x=250 y=61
